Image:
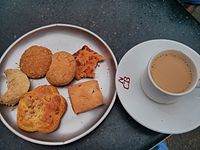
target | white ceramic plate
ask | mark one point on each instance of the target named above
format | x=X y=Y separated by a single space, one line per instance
x=70 y=38
x=179 y=117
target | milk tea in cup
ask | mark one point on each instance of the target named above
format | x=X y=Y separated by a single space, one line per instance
x=173 y=72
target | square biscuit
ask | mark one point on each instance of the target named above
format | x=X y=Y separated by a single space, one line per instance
x=85 y=96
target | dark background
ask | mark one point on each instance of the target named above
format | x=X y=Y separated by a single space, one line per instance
x=122 y=24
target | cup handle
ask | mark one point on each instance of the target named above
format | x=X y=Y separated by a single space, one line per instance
x=198 y=84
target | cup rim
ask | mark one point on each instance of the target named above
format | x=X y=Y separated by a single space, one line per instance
x=167 y=92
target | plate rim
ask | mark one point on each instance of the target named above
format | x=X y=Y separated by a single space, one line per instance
x=120 y=97
x=105 y=114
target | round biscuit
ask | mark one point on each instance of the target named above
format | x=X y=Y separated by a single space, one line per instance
x=62 y=69
x=35 y=61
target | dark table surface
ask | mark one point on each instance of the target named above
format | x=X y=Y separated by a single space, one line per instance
x=122 y=24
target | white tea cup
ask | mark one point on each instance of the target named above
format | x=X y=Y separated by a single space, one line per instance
x=173 y=73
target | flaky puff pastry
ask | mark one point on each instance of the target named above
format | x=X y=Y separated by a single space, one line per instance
x=85 y=96
x=41 y=110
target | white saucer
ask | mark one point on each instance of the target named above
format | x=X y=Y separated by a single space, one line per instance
x=179 y=117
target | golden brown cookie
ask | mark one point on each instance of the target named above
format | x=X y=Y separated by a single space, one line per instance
x=86 y=60
x=18 y=84
x=41 y=110
x=35 y=61
x=85 y=96
x=62 y=69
